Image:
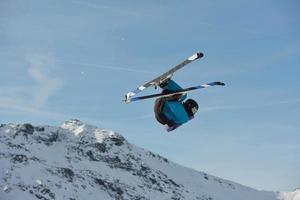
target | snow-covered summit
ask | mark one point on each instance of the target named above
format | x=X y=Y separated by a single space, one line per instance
x=295 y=195
x=80 y=161
x=85 y=130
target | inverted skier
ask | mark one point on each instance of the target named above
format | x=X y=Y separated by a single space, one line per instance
x=173 y=111
x=171 y=108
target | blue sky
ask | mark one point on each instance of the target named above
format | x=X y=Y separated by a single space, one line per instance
x=76 y=59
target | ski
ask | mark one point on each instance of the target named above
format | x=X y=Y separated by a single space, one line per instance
x=167 y=75
x=175 y=92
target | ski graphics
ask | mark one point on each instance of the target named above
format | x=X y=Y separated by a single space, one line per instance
x=167 y=75
x=183 y=91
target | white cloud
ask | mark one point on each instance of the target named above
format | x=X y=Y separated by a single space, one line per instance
x=39 y=70
x=32 y=98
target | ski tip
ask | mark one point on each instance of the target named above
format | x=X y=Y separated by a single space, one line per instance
x=200 y=55
x=125 y=100
x=128 y=97
x=221 y=83
x=215 y=83
x=196 y=56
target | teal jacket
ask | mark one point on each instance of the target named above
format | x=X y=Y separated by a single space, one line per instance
x=174 y=109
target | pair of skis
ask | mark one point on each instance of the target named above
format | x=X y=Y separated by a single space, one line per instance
x=130 y=96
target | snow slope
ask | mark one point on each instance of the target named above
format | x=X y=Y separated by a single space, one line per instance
x=291 y=195
x=80 y=161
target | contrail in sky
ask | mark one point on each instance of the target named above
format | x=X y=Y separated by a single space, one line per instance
x=100 y=66
x=104 y=7
x=105 y=67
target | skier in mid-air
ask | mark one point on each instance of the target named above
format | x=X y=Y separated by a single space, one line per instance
x=173 y=111
x=170 y=107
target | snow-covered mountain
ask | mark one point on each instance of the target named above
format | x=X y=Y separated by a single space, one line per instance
x=295 y=195
x=80 y=161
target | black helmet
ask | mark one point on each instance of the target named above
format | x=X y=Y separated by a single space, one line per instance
x=191 y=107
